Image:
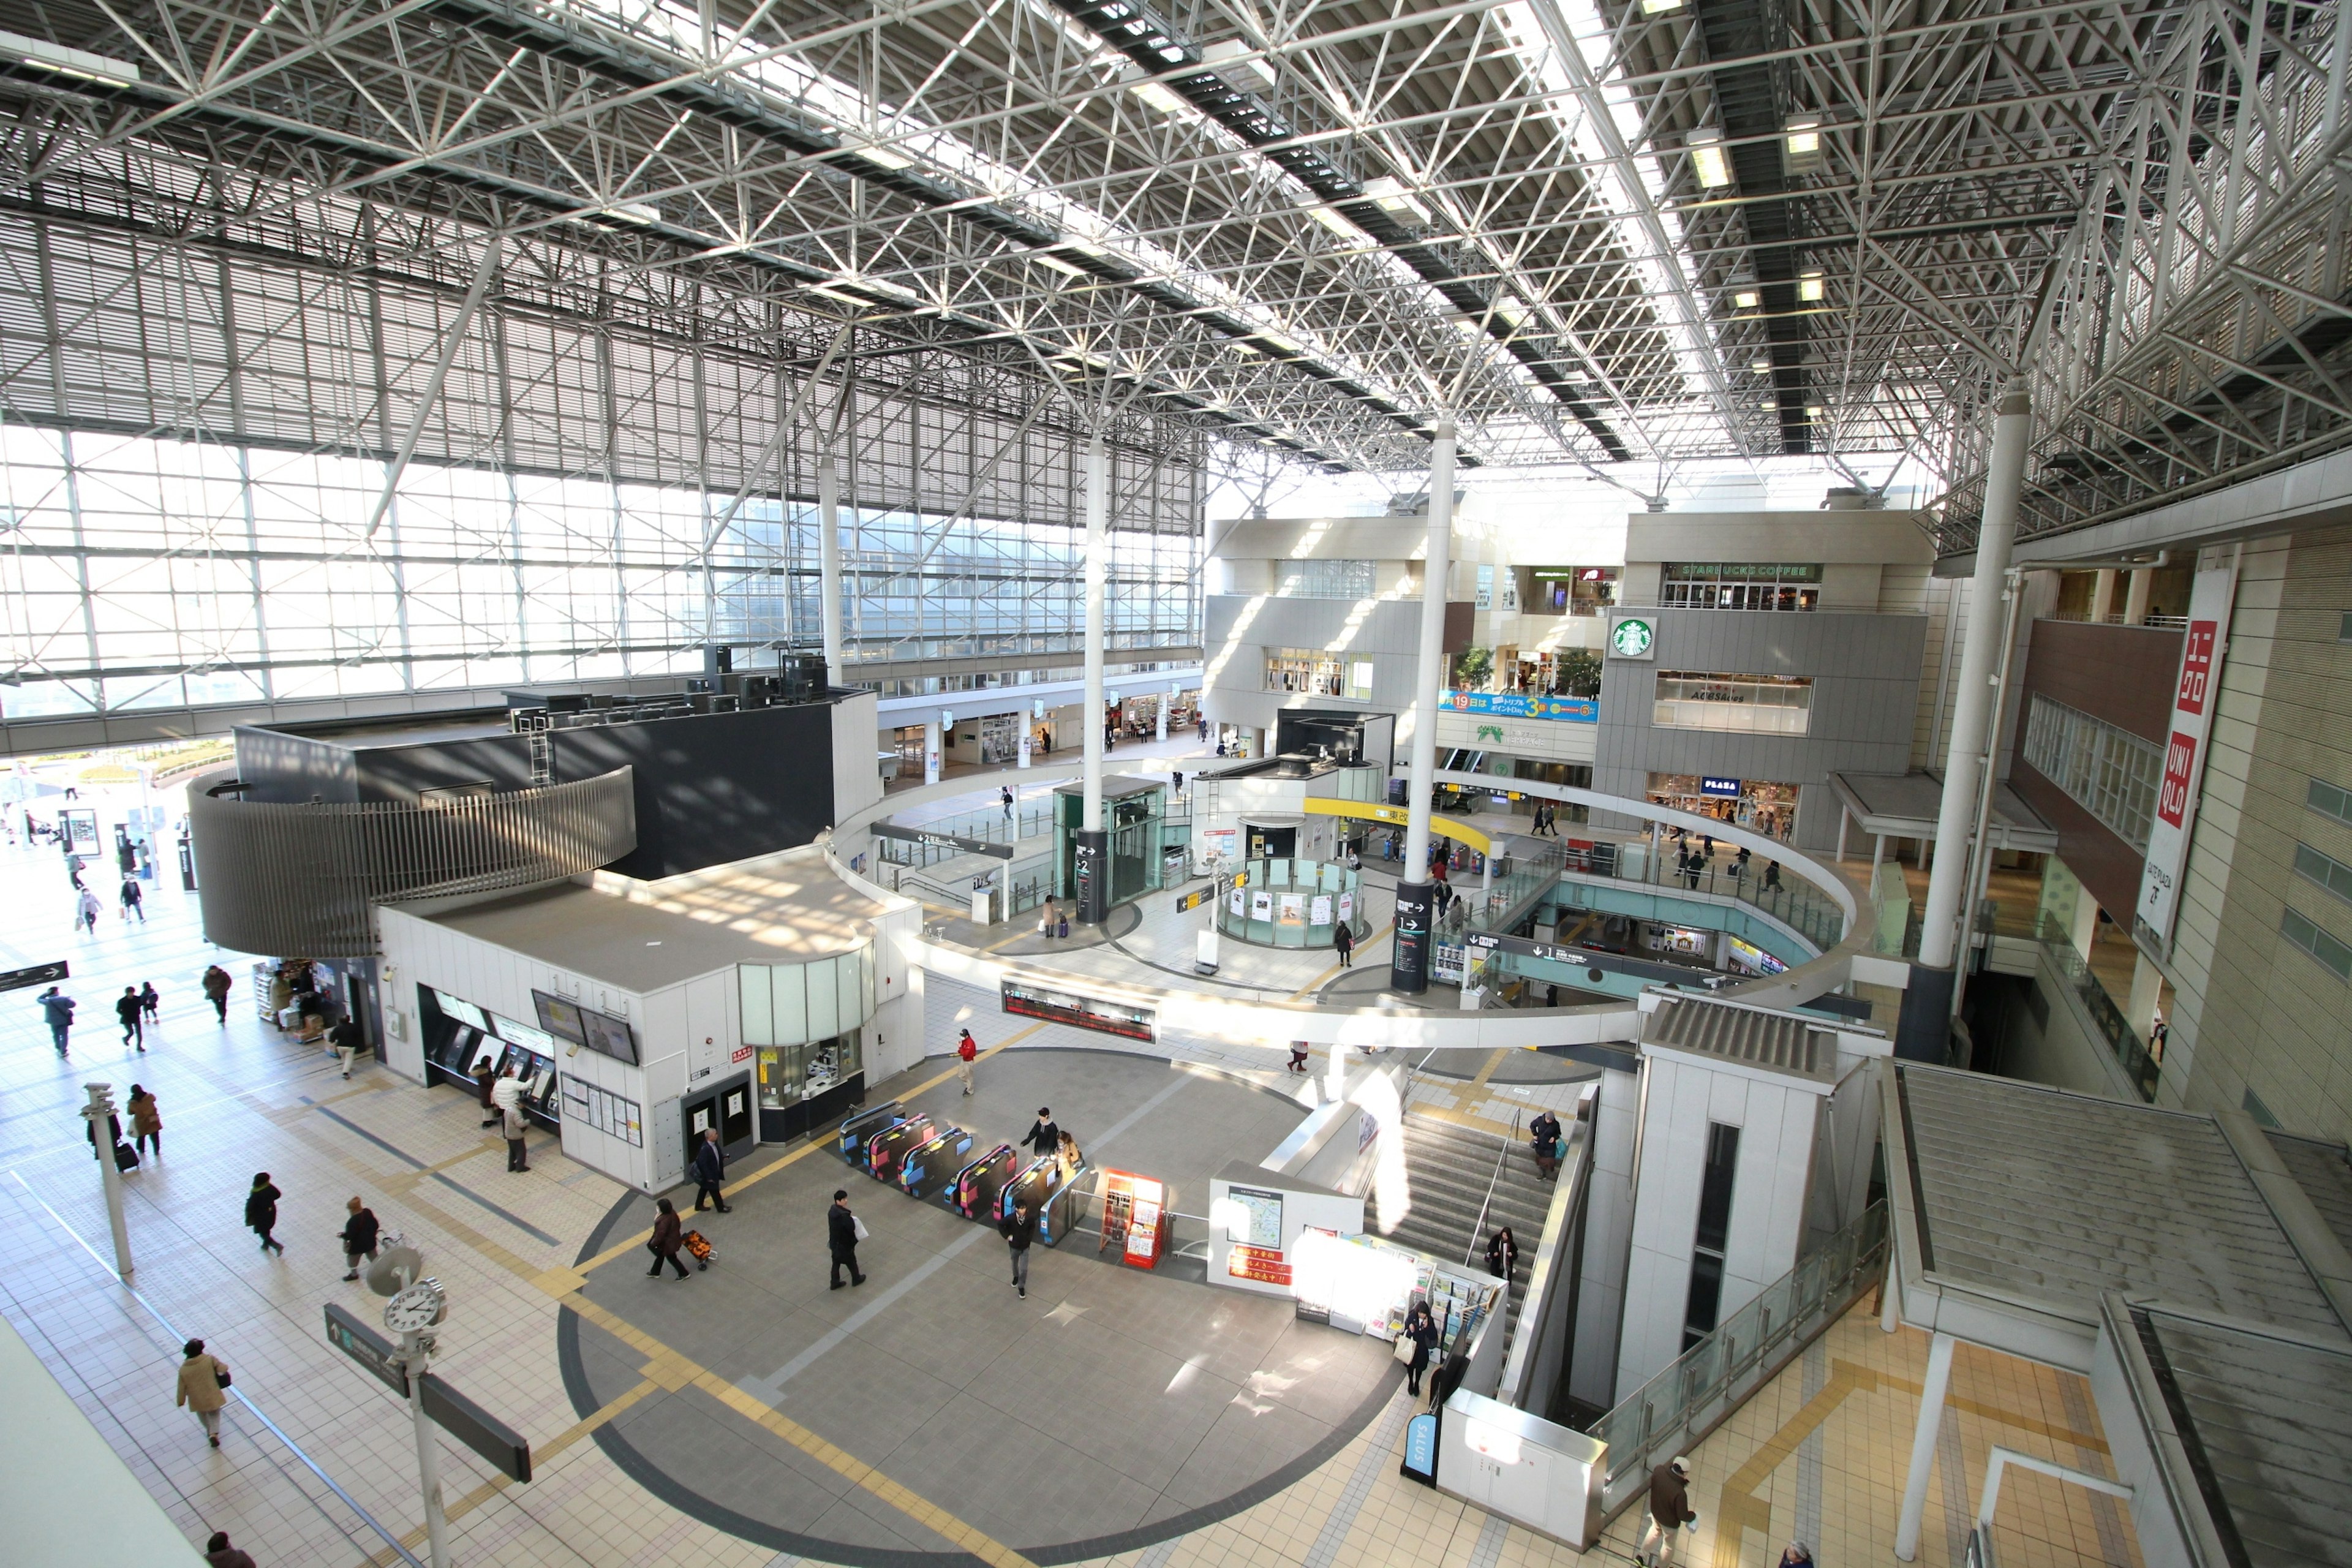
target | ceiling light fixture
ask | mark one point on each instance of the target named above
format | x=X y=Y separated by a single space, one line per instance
x=1058 y=264
x=1660 y=7
x=1329 y=218
x=1708 y=162
x=1760 y=365
x=1394 y=197
x=1809 y=285
x=1158 y=97
x=1814 y=411
x=1804 y=137
x=78 y=64
x=887 y=158
x=1747 y=300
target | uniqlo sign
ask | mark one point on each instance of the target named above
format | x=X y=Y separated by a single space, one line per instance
x=2172 y=796
x=2196 y=669
x=2203 y=648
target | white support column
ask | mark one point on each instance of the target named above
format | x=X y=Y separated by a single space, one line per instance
x=99 y=1113
x=1878 y=854
x=2135 y=596
x=1429 y=673
x=1097 y=569
x=2103 y=593
x=1166 y=699
x=1972 y=708
x=1923 y=1448
x=932 y=741
x=828 y=560
x=1845 y=819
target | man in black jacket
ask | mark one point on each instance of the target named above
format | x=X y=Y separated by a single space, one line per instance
x=1019 y=1230
x=359 y=1236
x=710 y=1165
x=1043 y=1136
x=841 y=1237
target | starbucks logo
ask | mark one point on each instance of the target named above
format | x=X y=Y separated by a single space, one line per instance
x=1629 y=638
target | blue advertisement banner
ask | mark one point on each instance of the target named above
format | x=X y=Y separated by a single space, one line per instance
x=1521 y=705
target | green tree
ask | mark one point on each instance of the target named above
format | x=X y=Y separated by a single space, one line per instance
x=1471 y=666
x=1580 y=672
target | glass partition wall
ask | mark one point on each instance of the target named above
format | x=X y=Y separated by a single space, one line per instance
x=805 y=1023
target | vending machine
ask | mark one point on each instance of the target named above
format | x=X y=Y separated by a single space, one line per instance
x=1135 y=1218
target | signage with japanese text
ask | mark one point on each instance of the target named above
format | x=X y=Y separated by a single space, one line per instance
x=2203 y=648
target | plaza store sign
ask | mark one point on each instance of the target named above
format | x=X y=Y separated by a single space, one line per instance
x=2202 y=649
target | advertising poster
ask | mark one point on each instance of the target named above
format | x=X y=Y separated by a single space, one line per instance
x=1319 y=911
x=1265 y=1264
x=1237 y=901
x=1261 y=905
x=1346 y=906
x=1294 y=909
x=2202 y=649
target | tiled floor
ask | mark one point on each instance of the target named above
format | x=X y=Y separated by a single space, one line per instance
x=1821 y=1449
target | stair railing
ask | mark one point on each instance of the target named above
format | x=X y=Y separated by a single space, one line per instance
x=1479 y=1230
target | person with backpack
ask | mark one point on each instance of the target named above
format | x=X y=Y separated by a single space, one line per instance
x=217 y=983
x=967 y=1052
x=202 y=1378
x=146 y=1123
x=261 y=1212
x=59 y=1009
x=126 y=1008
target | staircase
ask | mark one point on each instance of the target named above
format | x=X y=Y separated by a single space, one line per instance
x=1448 y=1167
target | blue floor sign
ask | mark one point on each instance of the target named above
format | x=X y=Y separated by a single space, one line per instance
x=1421 y=1448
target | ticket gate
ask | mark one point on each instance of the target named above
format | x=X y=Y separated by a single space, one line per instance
x=1052 y=1196
x=887 y=1148
x=928 y=1168
x=850 y=1143
x=976 y=1188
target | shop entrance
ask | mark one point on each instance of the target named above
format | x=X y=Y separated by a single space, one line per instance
x=1757 y=805
x=1272 y=843
x=726 y=1106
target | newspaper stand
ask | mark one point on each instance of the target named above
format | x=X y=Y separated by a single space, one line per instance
x=1135 y=1218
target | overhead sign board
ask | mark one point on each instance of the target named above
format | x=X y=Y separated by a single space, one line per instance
x=367 y=1347
x=1523 y=705
x=2195 y=695
x=944 y=840
x=1718 y=788
x=39 y=974
x=504 y=1448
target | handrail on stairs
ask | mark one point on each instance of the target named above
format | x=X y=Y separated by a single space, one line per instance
x=1480 y=1227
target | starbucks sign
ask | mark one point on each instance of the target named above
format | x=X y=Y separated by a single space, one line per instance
x=1632 y=636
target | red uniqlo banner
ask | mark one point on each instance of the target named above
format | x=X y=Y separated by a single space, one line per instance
x=2194 y=696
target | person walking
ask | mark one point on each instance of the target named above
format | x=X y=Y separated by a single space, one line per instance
x=967 y=1052
x=1297 y=1055
x=151 y=1003
x=1544 y=1132
x=486 y=1080
x=1343 y=943
x=59 y=1009
x=1005 y=798
x=222 y=1554
x=133 y=901
x=1502 y=1252
x=217 y=983
x=1042 y=1136
x=709 y=1166
x=346 y=1039
x=841 y=1235
x=1771 y=876
x=1422 y=1329
x=261 y=1212
x=1669 y=1511
x=146 y=1123
x=670 y=1235
x=359 y=1232
x=202 y=1378
x=1019 y=1230
x=86 y=912
x=219 y=1553
x=126 y=1008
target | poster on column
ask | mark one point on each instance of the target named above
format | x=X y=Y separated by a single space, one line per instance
x=1261 y=905
x=2195 y=694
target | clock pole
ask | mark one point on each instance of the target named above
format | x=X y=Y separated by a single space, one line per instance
x=412 y=1314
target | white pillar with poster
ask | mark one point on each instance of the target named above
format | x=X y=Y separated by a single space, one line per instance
x=2195 y=694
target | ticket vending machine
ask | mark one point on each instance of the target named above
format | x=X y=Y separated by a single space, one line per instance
x=1135 y=1218
x=850 y=1143
x=976 y=1187
x=887 y=1148
x=928 y=1167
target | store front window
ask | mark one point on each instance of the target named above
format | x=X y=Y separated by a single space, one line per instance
x=791 y=1075
x=1569 y=590
x=1740 y=585
x=1756 y=805
x=1319 y=674
x=1743 y=704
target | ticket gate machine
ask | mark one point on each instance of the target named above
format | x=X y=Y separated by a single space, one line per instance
x=850 y=1143
x=928 y=1168
x=886 y=1149
x=977 y=1187
x=1051 y=1195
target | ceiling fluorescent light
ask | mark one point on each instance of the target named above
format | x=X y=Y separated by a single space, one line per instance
x=1660 y=7
x=78 y=64
x=1804 y=137
x=1394 y=197
x=1158 y=97
x=1809 y=285
x=1236 y=57
x=1760 y=365
x=1708 y=162
x=1814 y=411
x=1057 y=264
x=1747 y=300
x=1329 y=218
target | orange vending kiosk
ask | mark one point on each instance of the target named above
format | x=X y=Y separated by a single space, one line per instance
x=1135 y=1218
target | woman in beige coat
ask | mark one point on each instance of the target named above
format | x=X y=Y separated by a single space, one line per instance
x=202 y=1378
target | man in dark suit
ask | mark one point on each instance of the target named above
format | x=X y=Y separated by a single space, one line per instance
x=709 y=1166
x=841 y=1238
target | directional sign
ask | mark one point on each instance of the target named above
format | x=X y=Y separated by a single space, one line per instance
x=492 y=1438
x=39 y=974
x=367 y=1347
x=1194 y=899
x=943 y=840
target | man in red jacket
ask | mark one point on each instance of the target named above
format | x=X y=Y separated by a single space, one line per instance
x=967 y=1052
